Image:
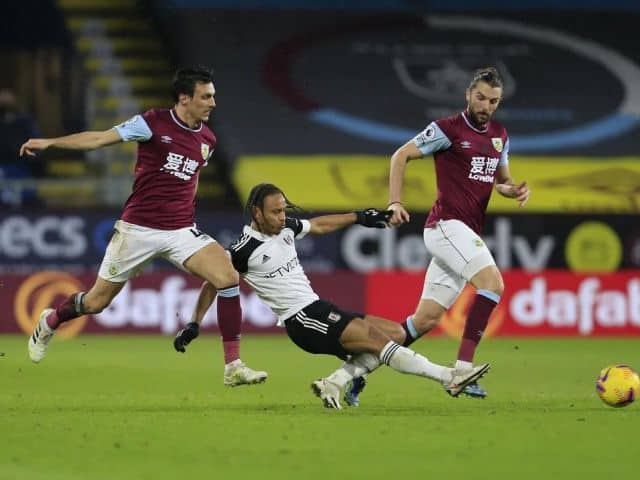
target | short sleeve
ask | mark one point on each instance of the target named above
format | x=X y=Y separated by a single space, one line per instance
x=135 y=129
x=241 y=251
x=300 y=227
x=504 y=155
x=431 y=139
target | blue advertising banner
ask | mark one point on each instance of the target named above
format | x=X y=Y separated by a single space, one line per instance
x=75 y=241
x=72 y=241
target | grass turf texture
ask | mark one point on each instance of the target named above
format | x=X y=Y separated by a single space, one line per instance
x=133 y=408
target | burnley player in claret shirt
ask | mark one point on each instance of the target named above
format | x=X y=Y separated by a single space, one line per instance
x=158 y=219
x=471 y=154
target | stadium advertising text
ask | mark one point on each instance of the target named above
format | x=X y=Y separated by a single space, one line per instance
x=365 y=250
x=549 y=302
x=546 y=303
x=47 y=237
x=32 y=242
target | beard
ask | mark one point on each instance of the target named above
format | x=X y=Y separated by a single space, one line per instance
x=480 y=118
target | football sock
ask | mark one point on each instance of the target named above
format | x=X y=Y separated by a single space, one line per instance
x=357 y=366
x=405 y=360
x=411 y=334
x=67 y=310
x=477 y=321
x=229 y=322
x=462 y=365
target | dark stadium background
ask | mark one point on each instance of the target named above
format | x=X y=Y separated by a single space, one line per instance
x=315 y=96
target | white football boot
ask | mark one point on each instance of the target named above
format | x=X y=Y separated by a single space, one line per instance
x=462 y=378
x=42 y=335
x=328 y=392
x=236 y=373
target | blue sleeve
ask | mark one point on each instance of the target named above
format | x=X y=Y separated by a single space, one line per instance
x=504 y=156
x=431 y=139
x=135 y=129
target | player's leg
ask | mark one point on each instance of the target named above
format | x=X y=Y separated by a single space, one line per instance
x=129 y=249
x=361 y=336
x=489 y=288
x=462 y=255
x=440 y=290
x=76 y=305
x=211 y=263
x=316 y=329
x=356 y=369
x=322 y=328
x=352 y=374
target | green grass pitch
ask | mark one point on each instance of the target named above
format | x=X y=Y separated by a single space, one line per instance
x=132 y=408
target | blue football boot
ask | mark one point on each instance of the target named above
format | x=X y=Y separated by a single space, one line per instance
x=474 y=390
x=353 y=390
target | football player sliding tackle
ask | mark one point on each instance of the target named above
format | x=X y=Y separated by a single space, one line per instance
x=265 y=255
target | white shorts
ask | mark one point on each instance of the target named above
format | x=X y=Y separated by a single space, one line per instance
x=458 y=254
x=133 y=246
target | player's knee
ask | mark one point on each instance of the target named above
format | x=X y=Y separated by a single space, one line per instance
x=228 y=277
x=495 y=284
x=489 y=279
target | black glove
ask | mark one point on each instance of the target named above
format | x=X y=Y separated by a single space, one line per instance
x=184 y=336
x=372 y=217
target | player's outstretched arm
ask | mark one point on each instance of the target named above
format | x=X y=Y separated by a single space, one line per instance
x=192 y=329
x=506 y=187
x=397 y=166
x=78 y=141
x=371 y=217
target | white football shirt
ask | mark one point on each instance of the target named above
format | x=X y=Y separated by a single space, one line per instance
x=270 y=265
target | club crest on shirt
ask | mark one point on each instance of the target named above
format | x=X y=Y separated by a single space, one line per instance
x=497 y=144
x=204 y=149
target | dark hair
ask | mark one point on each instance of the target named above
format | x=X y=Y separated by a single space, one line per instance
x=257 y=195
x=185 y=80
x=489 y=75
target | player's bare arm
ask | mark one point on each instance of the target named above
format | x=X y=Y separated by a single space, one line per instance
x=399 y=161
x=506 y=187
x=192 y=329
x=370 y=217
x=88 y=140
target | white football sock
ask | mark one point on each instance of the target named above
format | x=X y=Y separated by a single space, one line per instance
x=357 y=366
x=462 y=365
x=405 y=360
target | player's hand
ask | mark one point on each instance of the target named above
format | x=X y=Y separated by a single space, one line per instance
x=374 y=218
x=184 y=336
x=399 y=215
x=34 y=145
x=522 y=194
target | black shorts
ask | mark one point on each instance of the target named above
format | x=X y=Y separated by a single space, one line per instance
x=317 y=328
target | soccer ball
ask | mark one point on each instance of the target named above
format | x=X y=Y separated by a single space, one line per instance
x=618 y=385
